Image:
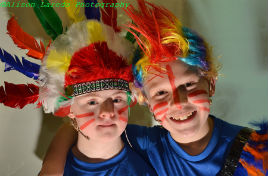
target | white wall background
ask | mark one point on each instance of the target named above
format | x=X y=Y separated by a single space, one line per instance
x=237 y=30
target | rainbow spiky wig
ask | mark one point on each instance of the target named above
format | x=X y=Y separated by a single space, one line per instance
x=162 y=38
x=91 y=55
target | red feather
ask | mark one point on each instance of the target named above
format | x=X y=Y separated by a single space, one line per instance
x=24 y=40
x=18 y=95
x=109 y=15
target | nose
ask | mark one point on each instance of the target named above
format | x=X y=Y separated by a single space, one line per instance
x=179 y=96
x=107 y=109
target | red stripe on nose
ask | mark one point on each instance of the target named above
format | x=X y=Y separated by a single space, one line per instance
x=198 y=92
x=159 y=105
x=86 y=124
x=171 y=78
x=85 y=115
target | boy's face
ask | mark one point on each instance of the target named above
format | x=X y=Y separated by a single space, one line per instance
x=101 y=115
x=179 y=99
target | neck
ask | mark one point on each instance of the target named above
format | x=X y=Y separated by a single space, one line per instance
x=198 y=143
x=94 y=151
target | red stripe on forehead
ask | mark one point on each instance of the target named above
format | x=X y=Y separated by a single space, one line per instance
x=201 y=101
x=197 y=92
x=171 y=78
x=86 y=124
x=85 y=115
x=159 y=105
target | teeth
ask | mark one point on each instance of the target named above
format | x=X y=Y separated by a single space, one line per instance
x=182 y=117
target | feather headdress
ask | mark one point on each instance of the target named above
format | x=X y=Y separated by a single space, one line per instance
x=89 y=51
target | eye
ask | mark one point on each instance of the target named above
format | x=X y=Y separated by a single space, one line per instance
x=189 y=84
x=160 y=93
x=92 y=102
x=117 y=100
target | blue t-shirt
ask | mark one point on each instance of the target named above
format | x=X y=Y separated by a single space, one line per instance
x=126 y=163
x=157 y=147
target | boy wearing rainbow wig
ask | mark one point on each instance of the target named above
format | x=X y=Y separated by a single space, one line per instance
x=175 y=76
x=84 y=75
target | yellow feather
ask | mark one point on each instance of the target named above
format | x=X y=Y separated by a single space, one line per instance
x=74 y=12
x=58 y=61
x=95 y=32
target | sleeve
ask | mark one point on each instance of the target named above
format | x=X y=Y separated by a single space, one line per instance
x=140 y=138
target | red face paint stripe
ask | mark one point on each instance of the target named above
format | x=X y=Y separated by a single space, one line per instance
x=120 y=111
x=85 y=115
x=134 y=103
x=123 y=118
x=161 y=112
x=204 y=109
x=159 y=105
x=198 y=92
x=171 y=78
x=86 y=124
x=163 y=118
x=201 y=101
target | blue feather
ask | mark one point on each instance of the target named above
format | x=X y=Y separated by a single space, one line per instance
x=25 y=67
x=92 y=12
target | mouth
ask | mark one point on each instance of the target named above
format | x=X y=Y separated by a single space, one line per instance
x=183 y=118
x=107 y=125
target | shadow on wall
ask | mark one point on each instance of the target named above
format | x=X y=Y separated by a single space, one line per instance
x=49 y=127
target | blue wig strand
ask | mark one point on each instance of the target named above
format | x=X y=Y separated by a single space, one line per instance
x=197 y=50
x=137 y=73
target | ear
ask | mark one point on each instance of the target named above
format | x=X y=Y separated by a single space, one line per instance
x=212 y=83
x=71 y=115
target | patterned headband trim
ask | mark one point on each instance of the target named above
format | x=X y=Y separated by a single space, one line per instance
x=98 y=85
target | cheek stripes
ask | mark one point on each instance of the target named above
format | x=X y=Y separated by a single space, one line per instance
x=176 y=96
x=201 y=101
x=197 y=92
x=120 y=111
x=86 y=124
x=161 y=112
x=203 y=108
x=124 y=119
x=85 y=115
x=159 y=105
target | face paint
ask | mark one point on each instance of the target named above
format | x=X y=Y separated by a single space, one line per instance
x=171 y=78
x=201 y=101
x=120 y=111
x=124 y=119
x=86 y=124
x=204 y=108
x=159 y=105
x=85 y=115
x=196 y=93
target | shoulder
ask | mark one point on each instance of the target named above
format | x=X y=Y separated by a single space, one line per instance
x=136 y=165
x=148 y=132
x=226 y=129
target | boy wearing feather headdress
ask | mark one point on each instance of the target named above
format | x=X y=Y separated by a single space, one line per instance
x=175 y=75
